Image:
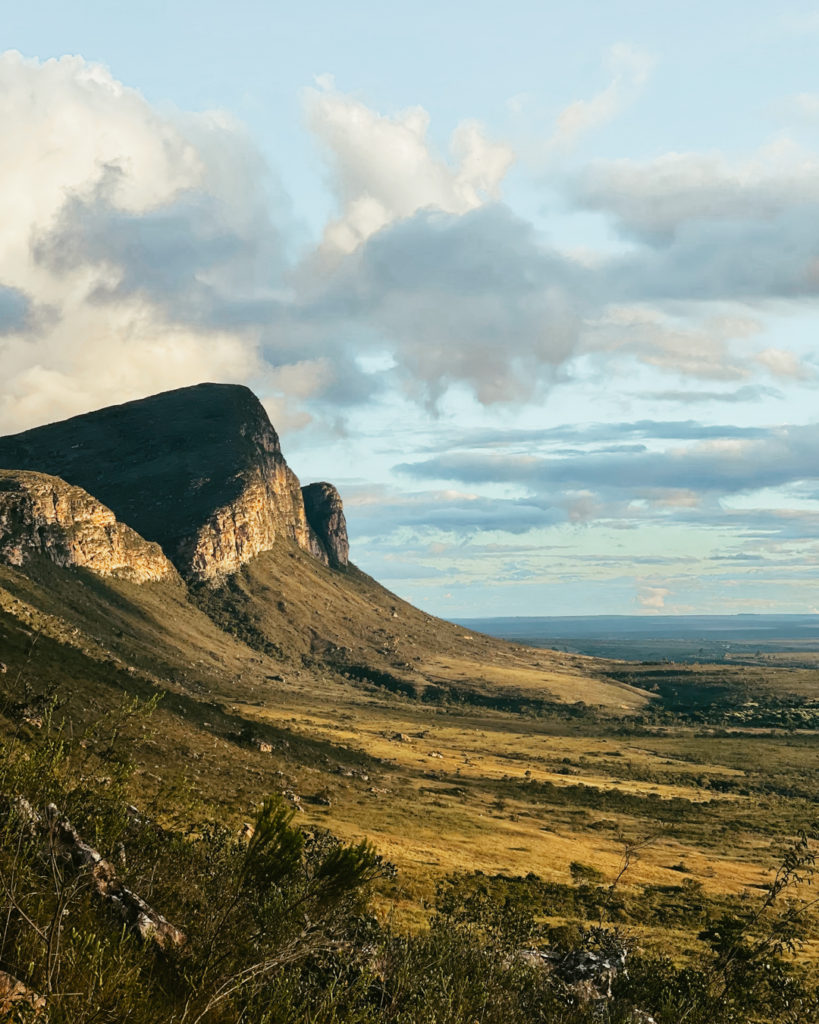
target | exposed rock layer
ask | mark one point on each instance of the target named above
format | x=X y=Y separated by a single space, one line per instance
x=43 y=515
x=199 y=470
x=325 y=514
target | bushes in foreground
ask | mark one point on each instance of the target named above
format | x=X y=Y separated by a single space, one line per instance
x=278 y=929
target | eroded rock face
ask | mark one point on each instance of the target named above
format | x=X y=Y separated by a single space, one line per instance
x=325 y=514
x=199 y=470
x=43 y=515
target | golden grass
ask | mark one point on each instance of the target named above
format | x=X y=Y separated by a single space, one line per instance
x=433 y=815
x=543 y=679
x=452 y=797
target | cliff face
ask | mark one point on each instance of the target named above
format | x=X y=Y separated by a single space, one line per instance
x=268 y=506
x=325 y=514
x=199 y=470
x=43 y=515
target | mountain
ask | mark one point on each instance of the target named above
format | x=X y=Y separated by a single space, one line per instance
x=183 y=636
x=198 y=470
x=165 y=547
x=196 y=477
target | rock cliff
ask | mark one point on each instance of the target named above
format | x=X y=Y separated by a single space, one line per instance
x=43 y=515
x=199 y=470
x=325 y=514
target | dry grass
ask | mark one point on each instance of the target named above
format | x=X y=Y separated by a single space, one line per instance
x=467 y=809
x=548 y=678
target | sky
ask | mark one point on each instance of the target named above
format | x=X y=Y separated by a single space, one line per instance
x=535 y=287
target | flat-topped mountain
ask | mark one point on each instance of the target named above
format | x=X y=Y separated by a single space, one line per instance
x=198 y=470
x=196 y=477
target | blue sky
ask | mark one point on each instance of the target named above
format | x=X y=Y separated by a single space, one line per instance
x=535 y=287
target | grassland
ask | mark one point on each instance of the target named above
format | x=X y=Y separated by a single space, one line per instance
x=452 y=752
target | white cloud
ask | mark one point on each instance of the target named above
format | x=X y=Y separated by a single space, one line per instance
x=80 y=153
x=141 y=250
x=653 y=199
x=384 y=169
x=781 y=363
x=653 y=598
x=652 y=337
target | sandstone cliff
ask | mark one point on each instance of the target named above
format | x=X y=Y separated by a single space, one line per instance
x=43 y=515
x=199 y=470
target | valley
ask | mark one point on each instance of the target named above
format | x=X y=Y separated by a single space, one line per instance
x=231 y=671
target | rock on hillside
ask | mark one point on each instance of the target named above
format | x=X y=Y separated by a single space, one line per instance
x=325 y=514
x=199 y=470
x=42 y=515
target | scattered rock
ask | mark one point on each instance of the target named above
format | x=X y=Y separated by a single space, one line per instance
x=72 y=850
x=589 y=973
x=14 y=996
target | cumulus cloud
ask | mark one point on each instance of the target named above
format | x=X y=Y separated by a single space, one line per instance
x=652 y=599
x=781 y=363
x=654 y=199
x=100 y=238
x=144 y=250
x=384 y=169
x=472 y=299
x=145 y=254
x=709 y=229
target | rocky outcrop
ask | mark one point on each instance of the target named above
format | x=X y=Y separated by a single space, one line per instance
x=199 y=470
x=18 y=1002
x=42 y=515
x=67 y=848
x=325 y=514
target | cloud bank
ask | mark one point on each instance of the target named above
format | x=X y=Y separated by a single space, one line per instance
x=147 y=249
